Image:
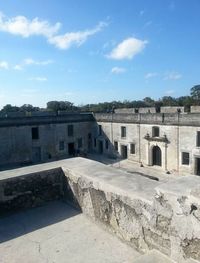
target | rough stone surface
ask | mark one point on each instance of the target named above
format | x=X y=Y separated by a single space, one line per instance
x=153 y=257
x=30 y=190
x=145 y=213
x=167 y=219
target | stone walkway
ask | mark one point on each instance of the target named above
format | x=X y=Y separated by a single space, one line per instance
x=134 y=167
x=56 y=233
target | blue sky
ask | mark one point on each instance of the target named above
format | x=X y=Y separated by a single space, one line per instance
x=92 y=51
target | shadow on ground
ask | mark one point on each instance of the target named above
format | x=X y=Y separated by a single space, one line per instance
x=30 y=220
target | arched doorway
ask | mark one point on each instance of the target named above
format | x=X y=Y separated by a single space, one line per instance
x=156 y=156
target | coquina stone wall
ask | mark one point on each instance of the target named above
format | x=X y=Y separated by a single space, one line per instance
x=30 y=190
x=170 y=223
x=167 y=218
x=145 y=213
x=19 y=147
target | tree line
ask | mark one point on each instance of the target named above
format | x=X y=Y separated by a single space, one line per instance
x=55 y=106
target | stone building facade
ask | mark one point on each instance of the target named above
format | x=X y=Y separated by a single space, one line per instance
x=168 y=141
x=35 y=139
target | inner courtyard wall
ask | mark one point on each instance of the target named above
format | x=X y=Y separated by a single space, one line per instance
x=177 y=135
x=18 y=147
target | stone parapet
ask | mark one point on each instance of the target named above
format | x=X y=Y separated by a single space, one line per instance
x=38 y=120
x=145 y=213
x=30 y=190
x=186 y=119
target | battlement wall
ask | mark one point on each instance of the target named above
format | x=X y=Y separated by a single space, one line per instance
x=45 y=119
x=187 y=119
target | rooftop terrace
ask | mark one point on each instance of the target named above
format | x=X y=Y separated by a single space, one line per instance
x=58 y=233
x=148 y=215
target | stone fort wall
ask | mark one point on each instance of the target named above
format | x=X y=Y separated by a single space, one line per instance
x=177 y=136
x=145 y=213
x=164 y=109
x=33 y=139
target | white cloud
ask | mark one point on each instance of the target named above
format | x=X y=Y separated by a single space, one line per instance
x=75 y=38
x=30 y=61
x=18 y=67
x=39 y=79
x=127 y=49
x=151 y=75
x=24 y=27
x=26 y=62
x=20 y=25
x=172 y=76
x=4 y=65
x=117 y=70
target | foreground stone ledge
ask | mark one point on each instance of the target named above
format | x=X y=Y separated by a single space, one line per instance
x=145 y=213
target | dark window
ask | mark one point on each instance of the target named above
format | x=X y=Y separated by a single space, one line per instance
x=132 y=149
x=155 y=132
x=70 y=130
x=116 y=145
x=107 y=144
x=61 y=145
x=198 y=139
x=80 y=142
x=89 y=136
x=185 y=158
x=100 y=130
x=157 y=109
x=95 y=142
x=35 y=133
x=136 y=110
x=123 y=131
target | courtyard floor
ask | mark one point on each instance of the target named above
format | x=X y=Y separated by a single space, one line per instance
x=134 y=167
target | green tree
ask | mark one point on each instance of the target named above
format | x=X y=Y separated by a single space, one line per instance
x=195 y=92
x=169 y=101
x=9 y=108
x=60 y=105
x=29 y=108
x=149 y=101
x=185 y=101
